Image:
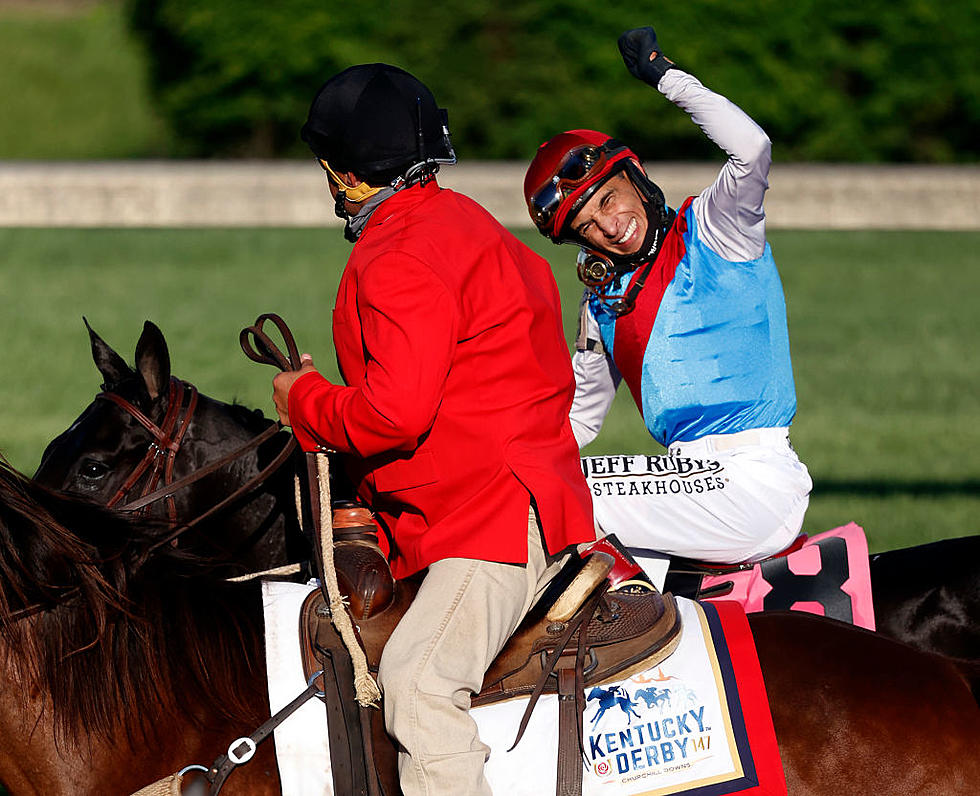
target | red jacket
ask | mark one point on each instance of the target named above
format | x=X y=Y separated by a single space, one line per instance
x=448 y=334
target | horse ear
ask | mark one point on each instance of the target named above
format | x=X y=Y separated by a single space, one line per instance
x=112 y=366
x=153 y=360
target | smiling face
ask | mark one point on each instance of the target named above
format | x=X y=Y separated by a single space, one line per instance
x=614 y=220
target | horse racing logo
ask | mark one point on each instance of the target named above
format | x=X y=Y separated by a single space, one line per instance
x=646 y=726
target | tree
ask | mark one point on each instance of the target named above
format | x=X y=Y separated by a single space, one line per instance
x=829 y=80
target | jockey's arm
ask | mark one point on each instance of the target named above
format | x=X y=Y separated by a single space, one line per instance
x=729 y=212
x=596 y=380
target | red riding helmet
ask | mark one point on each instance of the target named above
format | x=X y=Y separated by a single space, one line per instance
x=565 y=172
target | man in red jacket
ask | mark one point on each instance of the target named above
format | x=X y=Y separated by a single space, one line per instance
x=455 y=411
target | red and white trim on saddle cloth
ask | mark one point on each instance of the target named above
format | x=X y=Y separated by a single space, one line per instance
x=829 y=576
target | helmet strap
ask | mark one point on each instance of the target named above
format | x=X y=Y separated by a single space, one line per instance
x=659 y=216
x=599 y=269
x=366 y=196
x=340 y=210
x=355 y=194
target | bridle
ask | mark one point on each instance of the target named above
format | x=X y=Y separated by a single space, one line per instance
x=167 y=437
x=165 y=445
x=158 y=463
x=162 y=452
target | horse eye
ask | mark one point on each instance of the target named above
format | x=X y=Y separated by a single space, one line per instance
x=93 y=470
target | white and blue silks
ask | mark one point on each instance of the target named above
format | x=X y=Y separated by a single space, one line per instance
x=705 y=353
x=716 y=358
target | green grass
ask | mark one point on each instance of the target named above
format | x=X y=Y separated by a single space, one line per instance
x=883 y=328
x=73 y=85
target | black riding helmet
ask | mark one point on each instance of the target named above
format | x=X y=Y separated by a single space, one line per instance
x=380 y=123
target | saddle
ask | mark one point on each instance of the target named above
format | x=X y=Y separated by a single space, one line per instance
x=686 y=575
x=591 y=626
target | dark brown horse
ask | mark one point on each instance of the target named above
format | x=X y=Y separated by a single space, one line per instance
x=927 y=596
x=124 y=661
x=147 y=430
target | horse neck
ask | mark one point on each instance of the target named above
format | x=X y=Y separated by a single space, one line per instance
x=174 y=643
x=35 y=760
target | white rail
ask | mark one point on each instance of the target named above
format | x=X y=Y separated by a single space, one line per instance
x=293 y=193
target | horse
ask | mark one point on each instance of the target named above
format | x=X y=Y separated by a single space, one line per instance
x=927 y=595
x=120 y=657
x=125 y=660
x=609 y=698
x=654 y=696
x=151 y=443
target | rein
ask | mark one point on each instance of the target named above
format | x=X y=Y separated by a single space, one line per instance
x=162 y=453
x=263 y=351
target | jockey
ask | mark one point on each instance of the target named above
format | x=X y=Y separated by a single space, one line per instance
x=454 y=411
x=687 y=308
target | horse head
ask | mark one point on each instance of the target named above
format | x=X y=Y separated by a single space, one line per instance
x=147 y=430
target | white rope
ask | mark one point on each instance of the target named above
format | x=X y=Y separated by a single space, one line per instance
x=285 y=569
x=366 y=689
x=168 y=786
x=298 y=497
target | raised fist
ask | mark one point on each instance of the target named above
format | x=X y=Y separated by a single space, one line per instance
x=642 y=56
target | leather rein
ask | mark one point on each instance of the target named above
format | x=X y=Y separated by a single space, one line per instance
x=158 y=463
x=259 y=347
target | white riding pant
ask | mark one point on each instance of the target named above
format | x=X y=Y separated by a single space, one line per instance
x=723 y=498
x=436 y=659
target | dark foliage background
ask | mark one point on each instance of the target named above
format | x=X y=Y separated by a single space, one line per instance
x=829 y=80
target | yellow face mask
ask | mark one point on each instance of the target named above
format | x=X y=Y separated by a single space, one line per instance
x=355 y=194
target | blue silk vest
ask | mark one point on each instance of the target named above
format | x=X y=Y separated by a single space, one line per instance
x=706 y=348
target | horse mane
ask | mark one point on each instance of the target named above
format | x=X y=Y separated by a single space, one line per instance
x=248 y=417
x=127 y=633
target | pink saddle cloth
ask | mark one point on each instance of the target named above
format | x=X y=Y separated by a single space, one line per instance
x=829 y=575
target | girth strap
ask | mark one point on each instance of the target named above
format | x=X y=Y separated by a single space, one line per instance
x=241 y=750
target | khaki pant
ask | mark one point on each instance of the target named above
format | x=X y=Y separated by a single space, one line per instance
x=437 y=656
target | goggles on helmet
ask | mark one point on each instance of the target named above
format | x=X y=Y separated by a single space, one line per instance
x=575 y=169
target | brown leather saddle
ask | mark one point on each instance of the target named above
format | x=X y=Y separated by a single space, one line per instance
x=580 y=633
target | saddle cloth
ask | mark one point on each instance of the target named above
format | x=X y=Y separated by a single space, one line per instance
x=828 y=575
x=301 y=740
x=698 y=722
x=696 y=744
